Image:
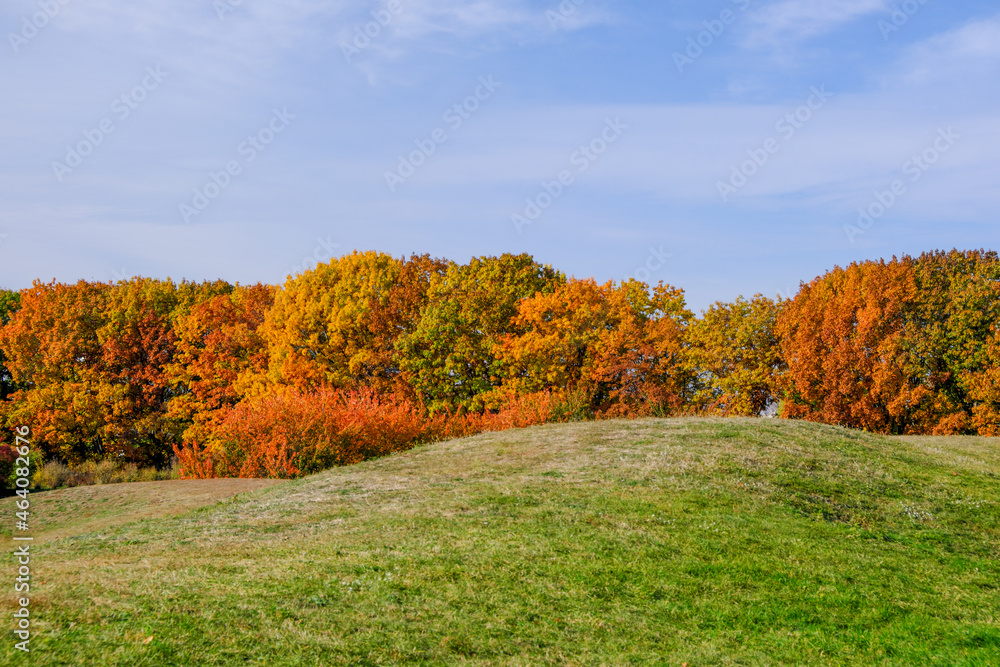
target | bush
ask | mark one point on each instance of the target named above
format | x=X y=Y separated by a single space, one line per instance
x=56 y=474
x=573 y=406
x=294 y=433
x=9 y=465
x=53 y=475
x=97 y=472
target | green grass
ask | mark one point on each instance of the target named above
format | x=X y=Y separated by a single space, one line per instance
x=710 y=542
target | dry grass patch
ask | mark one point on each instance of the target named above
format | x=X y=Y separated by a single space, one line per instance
x=85 y=509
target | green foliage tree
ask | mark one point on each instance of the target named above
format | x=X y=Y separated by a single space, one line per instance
x=946 y=340
x=10 y=303
x=450 y=356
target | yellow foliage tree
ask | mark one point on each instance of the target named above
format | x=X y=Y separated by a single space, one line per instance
x=735 y=351
x=337 y=324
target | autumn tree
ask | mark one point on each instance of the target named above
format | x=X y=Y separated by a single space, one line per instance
x=621 y=346
x=842 y=337
x=556 y=333
x=736 y=356
x=946 y=338
x=449 y=357
x=652 y=378
x=337 y=324
x=90 y=360
x=138 y=343
x=52 y=349
x=10 y=303
x=220 y=351
x=984 y=389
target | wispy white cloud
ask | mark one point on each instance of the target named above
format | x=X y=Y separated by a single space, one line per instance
x=569 y=16
x=789 y=21
x=963 y=52
x=420 y=18
x=456 y=27
x=467 y=19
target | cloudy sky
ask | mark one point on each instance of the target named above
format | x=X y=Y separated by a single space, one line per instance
x=724 y=146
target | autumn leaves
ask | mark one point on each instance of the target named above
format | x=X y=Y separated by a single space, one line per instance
x=907 y=346
x=370 y=353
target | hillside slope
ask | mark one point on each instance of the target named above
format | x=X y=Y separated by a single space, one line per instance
x=710 y=542
x=73 y=511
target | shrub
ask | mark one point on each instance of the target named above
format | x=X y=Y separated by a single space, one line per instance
x=56 y=474
x=572 y=406
x=53 y=475
x=98 y=472
x=293 y=433
x=9 y=464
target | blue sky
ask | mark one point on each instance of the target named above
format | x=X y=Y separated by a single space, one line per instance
x=727 y=147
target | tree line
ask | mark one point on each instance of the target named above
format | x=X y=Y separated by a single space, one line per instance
x=135 y=370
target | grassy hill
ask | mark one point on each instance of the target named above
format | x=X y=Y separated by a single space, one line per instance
x=706 y=542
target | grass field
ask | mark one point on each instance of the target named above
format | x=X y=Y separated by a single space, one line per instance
x=706 y=542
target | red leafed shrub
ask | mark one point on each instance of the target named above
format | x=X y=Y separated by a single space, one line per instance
x=293 y=433
x=7 y=457
x=195 y=461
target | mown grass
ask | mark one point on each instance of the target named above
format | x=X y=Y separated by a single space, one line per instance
x=67 y=512
x=710 y=542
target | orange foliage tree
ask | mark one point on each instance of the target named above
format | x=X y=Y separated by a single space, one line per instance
x=52 y=349
x=89 y=359
x=621 y=347
x=842 y=338
x=10 y=303
x=220 y=352
x=897 y=347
